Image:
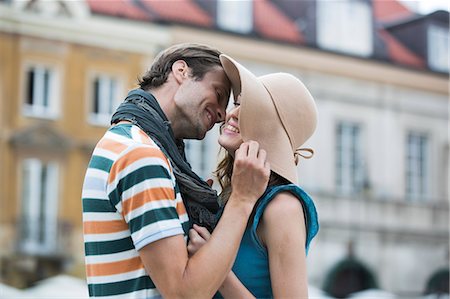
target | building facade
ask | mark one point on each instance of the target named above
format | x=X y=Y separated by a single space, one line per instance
x=380 y=173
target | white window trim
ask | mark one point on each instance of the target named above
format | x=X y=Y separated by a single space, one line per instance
x=202 y=154
x=337 y=39
x=31 y=207
x=345 y=172
x=103 y=119
x=418 y=191
x=37 y=109
x=438 y=59
x=236 y=16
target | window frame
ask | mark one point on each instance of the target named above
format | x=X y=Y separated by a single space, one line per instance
x=350 y=173
x=45 y=101
x=39 y=206
x=334 y=21
x=202 y=154
x=232 y=14
x=435 y=48
x=115 y=96
x=416 y=182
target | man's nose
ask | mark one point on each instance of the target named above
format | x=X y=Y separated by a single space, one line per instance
x=220 y=114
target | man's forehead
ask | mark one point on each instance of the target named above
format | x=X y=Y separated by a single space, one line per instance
x=228 y=90
x=225 y=87
x=225 y=97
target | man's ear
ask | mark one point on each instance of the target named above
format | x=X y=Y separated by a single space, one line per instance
x=180 y=70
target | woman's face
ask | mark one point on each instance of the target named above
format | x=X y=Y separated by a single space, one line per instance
x=230 y=137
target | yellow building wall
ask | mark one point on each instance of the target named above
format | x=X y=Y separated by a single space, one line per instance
x=8 y=82
x=75 y=64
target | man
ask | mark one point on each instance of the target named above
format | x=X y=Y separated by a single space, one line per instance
x=140 y=196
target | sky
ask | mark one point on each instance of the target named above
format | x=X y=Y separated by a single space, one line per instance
x=427 y=6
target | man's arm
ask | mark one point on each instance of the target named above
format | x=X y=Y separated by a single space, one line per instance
x=175 y=274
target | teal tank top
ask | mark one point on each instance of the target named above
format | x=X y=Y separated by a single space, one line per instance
x=252 y=263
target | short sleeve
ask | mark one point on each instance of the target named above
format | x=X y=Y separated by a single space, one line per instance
x=141 y=186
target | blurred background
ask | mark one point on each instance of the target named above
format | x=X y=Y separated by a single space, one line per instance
x=378 y=70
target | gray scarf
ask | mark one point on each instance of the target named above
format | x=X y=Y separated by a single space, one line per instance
x=143 y=110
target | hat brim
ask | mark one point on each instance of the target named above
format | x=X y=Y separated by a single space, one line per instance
x=259 y=120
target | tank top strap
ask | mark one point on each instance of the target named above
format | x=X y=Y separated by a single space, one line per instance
x=309 y=210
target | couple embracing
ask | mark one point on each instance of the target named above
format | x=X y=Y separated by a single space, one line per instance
x=153 y=228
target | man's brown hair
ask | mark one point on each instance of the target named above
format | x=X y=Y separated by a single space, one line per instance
x=200 y=58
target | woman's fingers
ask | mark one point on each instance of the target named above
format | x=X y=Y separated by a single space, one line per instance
x=202 y=231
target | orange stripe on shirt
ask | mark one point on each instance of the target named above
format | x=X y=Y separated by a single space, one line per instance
x=148 y=195
x=145 y=138
x=180 y=208
x=103 y=269
x=104 y=227
x=133 y=156
x=111 y=145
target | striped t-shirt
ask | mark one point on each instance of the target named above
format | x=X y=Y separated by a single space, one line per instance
x=130 y=199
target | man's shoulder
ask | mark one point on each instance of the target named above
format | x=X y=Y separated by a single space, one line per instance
x=127 y=137
x=125 y=144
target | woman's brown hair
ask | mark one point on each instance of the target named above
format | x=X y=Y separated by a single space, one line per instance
x=224 y=172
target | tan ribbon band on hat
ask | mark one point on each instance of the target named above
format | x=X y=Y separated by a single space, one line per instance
x=299 y=153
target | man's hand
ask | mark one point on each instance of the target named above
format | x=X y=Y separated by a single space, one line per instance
x=251 y=173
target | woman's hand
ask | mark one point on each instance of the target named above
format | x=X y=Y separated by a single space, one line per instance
x=198 y=236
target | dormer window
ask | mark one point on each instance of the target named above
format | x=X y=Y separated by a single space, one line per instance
x=236 y=16
x=438 y=48
x=345 y=26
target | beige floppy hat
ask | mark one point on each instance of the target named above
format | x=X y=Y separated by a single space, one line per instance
x=277 y=111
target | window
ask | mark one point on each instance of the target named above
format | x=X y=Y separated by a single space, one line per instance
x=345 y=26
x=41 y=92
x=197 y=155
x=202 y=154
x=438 y=48
x=39 y=203
x=349 y=166
x=105 y=95
x=416 y=165
x=235 y=15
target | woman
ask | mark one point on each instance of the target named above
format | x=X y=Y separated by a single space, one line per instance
x=277 y=111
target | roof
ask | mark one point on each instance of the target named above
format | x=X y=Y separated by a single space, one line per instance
x=280 y=27
x=118 y=8
x=182 y=11
x=398 y=52
x=270 y=21
x=390 y=10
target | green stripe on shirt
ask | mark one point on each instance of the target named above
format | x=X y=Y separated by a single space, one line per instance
x=121 y=287
x=101 y=163
x=108 y=247
x=122 y=129
x=152 y=216
x=97 y=205
x=135 y=177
